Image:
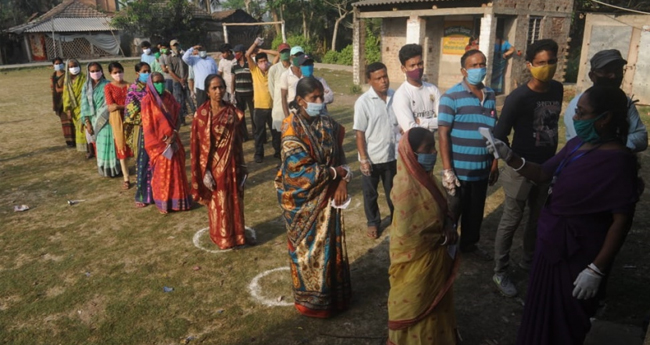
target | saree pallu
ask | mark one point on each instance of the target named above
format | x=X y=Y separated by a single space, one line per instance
x=135 y=140
x=94 y=107
x=421 y=274
x=216 y=145
x=143 y=171
x=169 y=181
x=316 y=239
x=571 y=232
x=117 y=95
x=72 y=102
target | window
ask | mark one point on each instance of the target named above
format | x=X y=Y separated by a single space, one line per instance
x=534 y=26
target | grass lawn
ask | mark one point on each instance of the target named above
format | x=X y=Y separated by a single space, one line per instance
x=94 y=273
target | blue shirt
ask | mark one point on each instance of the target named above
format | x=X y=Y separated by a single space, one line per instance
x=202 y=67
x=461 y=110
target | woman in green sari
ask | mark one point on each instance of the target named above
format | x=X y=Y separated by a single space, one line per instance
x=94 y=114
x=73 y=85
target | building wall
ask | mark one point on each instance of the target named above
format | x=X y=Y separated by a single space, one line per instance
x=564 y=6
x=393 y=37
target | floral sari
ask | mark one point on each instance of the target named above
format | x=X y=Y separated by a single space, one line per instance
x=135 y=140
x=420 y=301
x=316 y=239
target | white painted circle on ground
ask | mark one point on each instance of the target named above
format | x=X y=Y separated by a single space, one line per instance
x=256 y=290
x=197 y=240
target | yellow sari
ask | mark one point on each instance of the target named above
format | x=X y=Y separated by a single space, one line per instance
x=420 y=302
x=72 y=102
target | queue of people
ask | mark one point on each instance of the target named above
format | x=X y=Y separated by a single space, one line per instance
x=581 y=199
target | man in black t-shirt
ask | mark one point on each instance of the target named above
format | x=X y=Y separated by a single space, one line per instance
x=533 y=111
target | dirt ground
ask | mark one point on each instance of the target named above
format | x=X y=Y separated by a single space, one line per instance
x=95 y=272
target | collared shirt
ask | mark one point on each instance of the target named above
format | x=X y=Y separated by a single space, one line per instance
x=202 y=67
x=289 y=81
x=461 y=110
x=637 y=137
x=412 y=102
x=153 y=63
x=165 y=60
x=261 y=95
x=275 y=72
x=177 y=65
x=243 y=79
x=376 y=119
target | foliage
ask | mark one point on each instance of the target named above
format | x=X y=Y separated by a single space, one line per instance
x=16 y=12
x=346 y=56
x=309 y=45
x=372 y=46
x=331 y=57
x=161 y=20
x=355 y=89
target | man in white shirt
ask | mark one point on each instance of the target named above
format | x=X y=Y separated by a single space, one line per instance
x=374 y=123
x=301 y=66
x=225 y=68
x=415 y=102
x=277 y=114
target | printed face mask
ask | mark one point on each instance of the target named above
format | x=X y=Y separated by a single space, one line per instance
x=203 y=54
x=415 y=74
x=147 y=51
x=74 y=70
x=143 y=77
x=314 y=109
x=96 y=75
x=307 y=71
x=586 y=130
x=427 y=160
x=543 y=73
x=160 y=87
x=118 y=76
x=476 y=75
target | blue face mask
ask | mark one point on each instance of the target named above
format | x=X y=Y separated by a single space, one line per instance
x=586 y=130
x=427 y=160
x=143 y=77
x=307 y=71
x=314 y=109
x=476 y=75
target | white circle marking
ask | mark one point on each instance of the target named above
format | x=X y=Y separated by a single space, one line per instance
x=197 y=240
x=256 y=290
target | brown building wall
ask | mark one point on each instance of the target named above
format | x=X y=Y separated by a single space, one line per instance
x=393 y=37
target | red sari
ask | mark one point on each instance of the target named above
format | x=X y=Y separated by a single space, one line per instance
x=117 y=95
x=169 y=181
x=216 y=145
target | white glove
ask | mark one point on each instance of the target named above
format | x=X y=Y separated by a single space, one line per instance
x=450 y=181
x=208 y=181
x=365 y=167
x=259 y=41
x=502 y=148
x=586 y=285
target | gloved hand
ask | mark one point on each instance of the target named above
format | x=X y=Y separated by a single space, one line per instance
x=259 y=41
x=365 y=167
x=450 y=181
x=500 y=147
x=208 y=181
x=586 y=285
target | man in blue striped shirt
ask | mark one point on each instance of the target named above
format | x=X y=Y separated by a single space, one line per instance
x=468 y=167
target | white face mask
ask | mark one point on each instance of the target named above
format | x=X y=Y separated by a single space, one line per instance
x=203 y=54
x=147 y=51
x=74 y=70
x=59 y=67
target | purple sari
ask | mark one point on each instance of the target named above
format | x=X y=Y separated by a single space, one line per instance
x=570 y=234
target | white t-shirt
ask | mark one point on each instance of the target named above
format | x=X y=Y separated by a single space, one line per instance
x=411 y=102
x=225 y=67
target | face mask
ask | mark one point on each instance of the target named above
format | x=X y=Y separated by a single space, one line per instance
x=615 y=82
x=263 y=66
x=285 y=56
x=147 y=51
x=476 y=75
x=143 y=77
x=543 y=73
x=59 y=67
x=96 y=75
x=118 y=76
x=307 y=71
x=157 y=55
x=295 y=61
x=203 y=54
x=74 y=70
x=586 y=131
x=163 y=51
x=415 y=74
x=160 y=87
x=314 y=109
x=426 y=160
x=237 y=55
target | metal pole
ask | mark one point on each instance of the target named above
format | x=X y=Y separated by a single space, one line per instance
x=53 y=39
x=284 y=35
x=225 y=33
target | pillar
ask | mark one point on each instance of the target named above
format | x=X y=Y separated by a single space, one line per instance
x=359 y=45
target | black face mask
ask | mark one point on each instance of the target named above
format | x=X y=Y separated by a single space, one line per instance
x=615 y=82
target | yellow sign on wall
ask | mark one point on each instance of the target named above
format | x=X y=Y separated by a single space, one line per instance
x=456 y=37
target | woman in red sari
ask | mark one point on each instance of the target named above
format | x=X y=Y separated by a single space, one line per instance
x=218 y=170
x=160 y=123
x=115 y=94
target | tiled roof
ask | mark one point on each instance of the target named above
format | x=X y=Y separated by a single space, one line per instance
x=221 y=15
x=389 y=2
x=72 y=25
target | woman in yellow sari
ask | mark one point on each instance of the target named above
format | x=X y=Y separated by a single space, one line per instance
x=422 y=249
x=73 y=85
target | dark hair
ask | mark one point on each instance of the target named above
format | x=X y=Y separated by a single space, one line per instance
x=145 y=44
x=114 y=65
x=94 y=63
x=225 y=47
x=416 y=137
x=153 y=74
x=164 y=44
x=57 y=59
x=141 y=64
x=261 y=56
x=374 y=67
x=468 y=54
x=611 y=99
x=209 y=78
x=539 y=46
x=304 y=87
x=409 y=51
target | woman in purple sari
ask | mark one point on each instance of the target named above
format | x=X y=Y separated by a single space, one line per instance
x=584 y=222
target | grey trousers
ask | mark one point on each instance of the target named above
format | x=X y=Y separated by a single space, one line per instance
x=518 y=192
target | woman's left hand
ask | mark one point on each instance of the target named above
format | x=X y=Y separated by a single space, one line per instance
x=341 y=194
x=450 y=234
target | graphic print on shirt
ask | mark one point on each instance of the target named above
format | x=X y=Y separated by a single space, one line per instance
x=428 y=114
x=545 y=120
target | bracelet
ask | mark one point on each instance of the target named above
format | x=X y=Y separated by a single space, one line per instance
x=348 y=174
x=595 y=269
x=364 y=161
x=523 y=160
x=335 y=174
x=445 y=241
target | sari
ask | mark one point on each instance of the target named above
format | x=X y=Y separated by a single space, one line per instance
x=216 y=144
x=93 y=107
x=316 y=239
x=421 y=273
x=57 y=105
x=571 y=232
x=135 y=140
x=117 y=95
x=499 y=65
x=168 y=181
x=72 y=102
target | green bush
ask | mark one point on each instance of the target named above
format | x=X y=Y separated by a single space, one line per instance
x=331 y=57
x=345 y=56
x=276 y=42
x=372 y=47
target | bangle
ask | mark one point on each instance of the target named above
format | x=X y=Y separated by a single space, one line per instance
x=595 y=269
x=523 y=163
x=335 y=174
x=445 y=241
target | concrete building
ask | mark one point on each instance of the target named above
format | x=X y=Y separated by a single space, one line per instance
x=443 y=28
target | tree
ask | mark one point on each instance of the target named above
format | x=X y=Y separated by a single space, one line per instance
x=344 y=8
x=16 y=12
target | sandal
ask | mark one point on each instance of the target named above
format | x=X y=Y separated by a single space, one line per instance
x=126 y=185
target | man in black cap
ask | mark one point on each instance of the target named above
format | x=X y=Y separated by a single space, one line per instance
x=607 y=70
x=242 y=87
